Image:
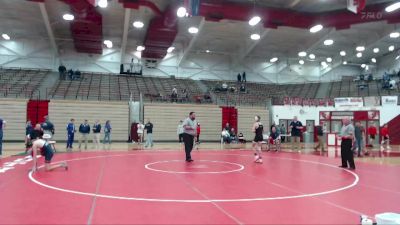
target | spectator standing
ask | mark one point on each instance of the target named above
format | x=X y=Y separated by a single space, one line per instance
x=70 y=134
x=296 y=127
x=28 y=127
x=239 y=78
x=96 y=134
x=320 y=136
x=2 y=126
x=347 y=135
x=385 y=137
x=62 y=71
x=198 y=130
x=180 y=131
x=372 y=132
x=189 y=136
x=28 y=130
x=283 y=131
x=107 y=132
x=140 y=129
x=84 y=130
x=359 y=133
x=149 y=131
x=244 y=77
x=47 y=126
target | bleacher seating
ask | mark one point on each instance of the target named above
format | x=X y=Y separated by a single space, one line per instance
x=108 y=87
x=18 y=83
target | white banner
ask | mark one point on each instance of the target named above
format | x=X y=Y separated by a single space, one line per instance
x=349 y=102
x=372 y=101
x=389 y=100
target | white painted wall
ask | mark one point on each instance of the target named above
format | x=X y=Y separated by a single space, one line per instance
x=387 y=113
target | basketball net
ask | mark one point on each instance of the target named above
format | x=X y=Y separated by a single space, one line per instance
x=356 y=6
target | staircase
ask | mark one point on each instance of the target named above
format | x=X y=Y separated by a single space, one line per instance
x=323 y=90
x=204 y=89
x=48 y=82
x=394 y=130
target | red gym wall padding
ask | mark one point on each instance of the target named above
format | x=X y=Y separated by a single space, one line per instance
x=229 y=115
x=36 y=111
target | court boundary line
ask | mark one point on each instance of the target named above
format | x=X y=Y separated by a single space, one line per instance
x=241 y=167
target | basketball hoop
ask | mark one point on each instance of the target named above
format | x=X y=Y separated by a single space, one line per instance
x=356 y=6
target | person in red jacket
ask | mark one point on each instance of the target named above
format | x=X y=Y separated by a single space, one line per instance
x=385 y=137
x=372 y=132
x=198 y=133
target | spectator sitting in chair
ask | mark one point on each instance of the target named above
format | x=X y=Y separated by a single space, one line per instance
x=174 y=95
x=243 y=88
x=392 y=84
x=225 y=136
x=274 y=139
x=70 y=74
x=224 y=87
x=185 y=95
x=232 y=135
x=77 y=75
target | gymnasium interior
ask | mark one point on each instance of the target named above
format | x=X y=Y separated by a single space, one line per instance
x=316 y=80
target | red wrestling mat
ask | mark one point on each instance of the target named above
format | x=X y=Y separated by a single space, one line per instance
x=219 y=187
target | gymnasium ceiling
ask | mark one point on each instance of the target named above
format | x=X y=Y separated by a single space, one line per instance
x=228 y=37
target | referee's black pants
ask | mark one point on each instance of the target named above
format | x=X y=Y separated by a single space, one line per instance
x=347 y=153
x=188 y=140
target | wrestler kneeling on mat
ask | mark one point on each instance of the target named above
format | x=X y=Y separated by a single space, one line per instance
x=45 y=149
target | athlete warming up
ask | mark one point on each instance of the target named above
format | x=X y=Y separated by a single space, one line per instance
x=45 y=149
x=258 y=129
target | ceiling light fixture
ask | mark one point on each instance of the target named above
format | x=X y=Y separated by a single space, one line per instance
x=342 y=53
x=373 y=60
x=140 y=48
x=108 y=43
x=394 y=35
x=170 y=49
x=193 y=30
x=376 y=50
x=273 y=60
x=397 y=57
x=360 y=48
x=344 y=62
x=391 y=48
x=181 y=12
x=324 y=64
x=393 y=7
x=255 y=37
x=301 y=62
x=103 y=3
x=68 y=17
x=138 y=24
x=302 y=54
x=6 y=37
x=359 y=55
x=363 y=65
x=328 y=42
x=316 y=28
x=254 y=21
x=311 y=56
x=329 y=59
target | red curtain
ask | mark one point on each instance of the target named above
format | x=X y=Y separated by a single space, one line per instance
x=229 y=115
x=37 y=110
